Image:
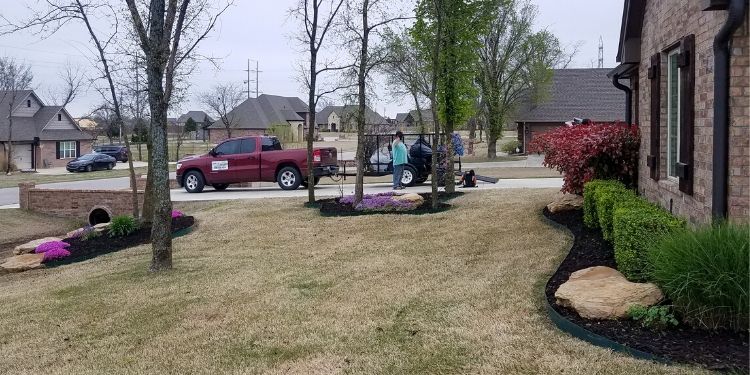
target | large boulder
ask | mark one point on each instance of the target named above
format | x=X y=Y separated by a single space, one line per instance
x=23 y=262
x=565 y=202
x=604 y=293
x=31 y=245
x=411 y=197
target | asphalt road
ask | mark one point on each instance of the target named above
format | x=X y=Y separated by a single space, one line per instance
x=9 y=196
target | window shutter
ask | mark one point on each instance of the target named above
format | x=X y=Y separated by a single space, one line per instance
x=78 y=148
x=654 y=74
x=686 y=61
x=57 y=150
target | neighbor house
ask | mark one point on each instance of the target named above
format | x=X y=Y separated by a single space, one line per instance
x=686 y=67
x=409 y=121
x=343 y=118
x=202 y=122
x=42 y=136
x=261 y=115
x=572 y=93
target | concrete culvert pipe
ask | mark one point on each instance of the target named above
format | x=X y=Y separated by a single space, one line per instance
x=99 y=215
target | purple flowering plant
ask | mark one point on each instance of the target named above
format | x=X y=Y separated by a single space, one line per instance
x=50 y=246
x=382 y=202
x=55 y=254
x=82 y=233
x=176 y=214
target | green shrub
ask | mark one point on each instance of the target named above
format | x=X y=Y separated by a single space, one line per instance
x=605 y=198
x=636 y=224
x=89 y=235
x=283 y=132
x=589 y=200
x=705 y=274
x=654 y=317
x=510 y=147
x=122 y=226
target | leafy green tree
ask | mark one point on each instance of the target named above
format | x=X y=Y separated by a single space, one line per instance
x=515 y=64
x=449 y=31
x=190 y=125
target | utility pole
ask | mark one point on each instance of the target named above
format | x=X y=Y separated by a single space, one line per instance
x=601 y=53
x=257 y=77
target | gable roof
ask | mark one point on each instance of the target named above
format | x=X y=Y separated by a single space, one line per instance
x=347 y=113
x=265 y=111
x=197 y=116
x=401 y=117
x=27 y=128
x=583 y=93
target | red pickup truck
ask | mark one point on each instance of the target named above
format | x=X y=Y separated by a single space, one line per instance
x=253 y=159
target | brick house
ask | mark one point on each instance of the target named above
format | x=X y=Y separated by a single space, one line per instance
x=688 y=67
x=343 y=118
x=255 y=116
x=573 y=93
x=42 y=136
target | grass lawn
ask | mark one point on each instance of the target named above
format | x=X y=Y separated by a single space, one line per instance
x=17 y=226
x=428 y=294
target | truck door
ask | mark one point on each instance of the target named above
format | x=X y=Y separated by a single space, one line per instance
x=248 y=160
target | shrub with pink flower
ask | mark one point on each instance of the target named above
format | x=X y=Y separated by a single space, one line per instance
x=52 y=245
x=383 y=202
x=55 y=254
x=176 y=214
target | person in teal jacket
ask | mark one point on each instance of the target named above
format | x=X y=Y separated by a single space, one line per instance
x=399 y=159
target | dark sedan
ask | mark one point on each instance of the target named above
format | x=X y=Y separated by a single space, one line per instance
x=119 y=152
x=91 y=162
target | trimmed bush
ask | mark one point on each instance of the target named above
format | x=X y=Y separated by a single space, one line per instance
x=605 y=198
x=122 y=226
x=705 y=274
x=636 y=224
x=510 y=147
x=589 y=200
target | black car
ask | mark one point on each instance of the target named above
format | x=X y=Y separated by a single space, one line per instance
x=119 y=152
x=91 y=162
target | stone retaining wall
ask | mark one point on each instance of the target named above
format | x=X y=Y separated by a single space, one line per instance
x=75 y=203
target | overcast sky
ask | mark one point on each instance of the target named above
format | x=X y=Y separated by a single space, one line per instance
x=261 y=29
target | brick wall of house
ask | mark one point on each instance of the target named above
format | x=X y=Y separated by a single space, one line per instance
x=218 y=135
x=664 y=24
x=46 y=154
x=75 y=203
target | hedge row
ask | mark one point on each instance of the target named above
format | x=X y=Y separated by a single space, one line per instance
x=631 y=223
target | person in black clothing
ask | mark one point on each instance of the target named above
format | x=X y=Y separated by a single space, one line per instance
x=469 y=179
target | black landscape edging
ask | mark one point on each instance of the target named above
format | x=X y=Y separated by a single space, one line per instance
x=573 y=329
x=726 y=351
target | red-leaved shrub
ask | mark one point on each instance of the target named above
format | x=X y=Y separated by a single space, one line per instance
x=586 y=152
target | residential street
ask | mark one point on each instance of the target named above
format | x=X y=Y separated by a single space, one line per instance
x=9 y=196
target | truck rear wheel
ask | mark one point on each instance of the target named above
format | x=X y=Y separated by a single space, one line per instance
x=289 y=178
x=194 y=182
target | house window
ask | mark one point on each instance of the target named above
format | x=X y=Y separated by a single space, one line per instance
x=673 y=113
x=67 y=150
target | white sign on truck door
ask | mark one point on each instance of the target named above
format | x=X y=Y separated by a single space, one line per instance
x=220 y=165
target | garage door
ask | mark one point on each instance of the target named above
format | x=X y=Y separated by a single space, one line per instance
x=22 y=156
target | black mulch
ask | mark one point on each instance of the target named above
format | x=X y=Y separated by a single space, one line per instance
x=332 y=207
x=104 y=244
x=717 y=350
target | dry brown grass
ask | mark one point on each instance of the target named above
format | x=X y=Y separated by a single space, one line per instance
x=18 y=226
x=364 y=295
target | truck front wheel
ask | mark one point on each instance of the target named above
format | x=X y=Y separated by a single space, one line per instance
x=194 y=182
x=289 y=178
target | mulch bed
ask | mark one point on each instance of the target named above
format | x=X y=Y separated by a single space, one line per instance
x=332 y=207
x=104 y=244
x=717 y=350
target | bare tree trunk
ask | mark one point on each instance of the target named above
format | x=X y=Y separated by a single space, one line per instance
x=433 y=97
x=133 y=187
x=9 y=145
x=161 y=222
x=420 y=121
x=359 y=186
x=311 y=104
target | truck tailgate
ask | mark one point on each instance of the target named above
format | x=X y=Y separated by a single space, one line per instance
x=328 y=156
